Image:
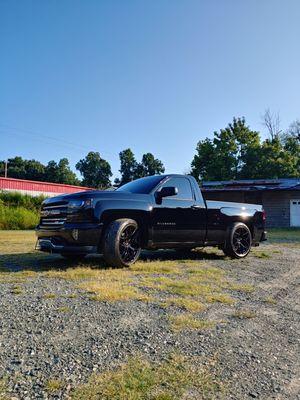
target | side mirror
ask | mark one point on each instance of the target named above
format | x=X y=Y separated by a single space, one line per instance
x=166 y=191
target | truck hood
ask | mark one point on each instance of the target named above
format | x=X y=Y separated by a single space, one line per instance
x=97 y=195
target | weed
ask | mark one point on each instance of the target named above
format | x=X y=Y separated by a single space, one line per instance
x=188 y=321
x=244 y=314
x=184 y=303
x=49 y=296
x=174 y=379
x=262 y=254
x=54 y=385
x=108 y=290
x=3 y=389
x=270 y=300
x=16 y=277
x=156 y=267
x=219 y=298
x=64 y=309
x=246 y=288
x=16 y=290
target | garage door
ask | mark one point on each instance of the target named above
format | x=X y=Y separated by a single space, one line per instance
x=295 y=212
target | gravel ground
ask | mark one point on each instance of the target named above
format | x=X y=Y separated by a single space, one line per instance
x=69 y=338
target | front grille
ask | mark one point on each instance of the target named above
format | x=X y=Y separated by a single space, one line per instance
x=54 y=214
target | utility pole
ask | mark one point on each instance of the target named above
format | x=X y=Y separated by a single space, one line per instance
x=5 y=169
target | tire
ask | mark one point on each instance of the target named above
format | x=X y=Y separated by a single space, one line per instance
x=73 y=257
x=238 y=241
x=121 y=243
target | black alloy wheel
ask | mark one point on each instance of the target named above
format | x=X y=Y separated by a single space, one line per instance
x=129 y=244
x=238 y=241
x=241 y=241
x=122 y=243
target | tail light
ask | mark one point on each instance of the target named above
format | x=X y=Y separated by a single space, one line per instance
x=264 y=215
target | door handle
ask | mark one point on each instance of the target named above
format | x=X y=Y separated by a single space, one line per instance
x=196 y=207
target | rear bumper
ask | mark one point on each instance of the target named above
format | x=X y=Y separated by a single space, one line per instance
x=263 y=236
x=259 y=235
x=70 y=238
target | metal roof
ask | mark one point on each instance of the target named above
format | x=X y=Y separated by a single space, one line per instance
x=252 y=184
x=28 y=186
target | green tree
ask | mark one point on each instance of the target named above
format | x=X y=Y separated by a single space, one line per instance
x=95 y=170
x=128 y=166
x=34 y=170
x=149 y=166
x=231 y=154
x=280 y=157
x=294 y=129
x=60 y=173
x=19 y=168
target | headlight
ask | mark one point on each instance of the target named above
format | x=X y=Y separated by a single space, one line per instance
x=88 y=203
x=75 y=203
x=80 y=203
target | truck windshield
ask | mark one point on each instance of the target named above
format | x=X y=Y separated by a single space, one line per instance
x=142 y=185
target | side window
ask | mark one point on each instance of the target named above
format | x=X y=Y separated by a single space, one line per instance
x=184 y=188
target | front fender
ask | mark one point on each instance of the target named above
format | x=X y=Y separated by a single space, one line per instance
x=107 y=211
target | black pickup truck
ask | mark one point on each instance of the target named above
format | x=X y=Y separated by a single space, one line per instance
x=156 y=212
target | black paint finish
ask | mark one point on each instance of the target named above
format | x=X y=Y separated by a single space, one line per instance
x=171 y=214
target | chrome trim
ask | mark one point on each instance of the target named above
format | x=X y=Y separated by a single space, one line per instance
x=61 y=205
x=53 y=221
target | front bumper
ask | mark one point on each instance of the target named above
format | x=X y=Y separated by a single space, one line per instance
x=70 y=238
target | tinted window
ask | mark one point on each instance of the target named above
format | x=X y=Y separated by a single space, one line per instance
x=184 y=188
x=142 y=185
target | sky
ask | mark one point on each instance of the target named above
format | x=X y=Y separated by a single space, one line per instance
x=153 y=75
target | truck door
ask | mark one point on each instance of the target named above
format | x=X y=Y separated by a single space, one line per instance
x=179 y=219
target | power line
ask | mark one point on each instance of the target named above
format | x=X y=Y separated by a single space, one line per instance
x=44 y=138
x=40 y=136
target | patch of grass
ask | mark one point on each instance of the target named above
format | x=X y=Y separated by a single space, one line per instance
x=206 y=273
x=3 y=389
x=244 y=314
x=185 y=303
x=71 y=296
x=16 y=277
x=262 y=254
x=219 y=298
x=105 y=285
x=74 y=274
x=284 y=235
x=188 y=321
x=16 y=290
x=245 y=288
x=174 y=379
x=64 y=309
x=14 y=242
x=49 y=296
x=186 y=284
x=270 y=300
x=156 y=267
x=109 y=290
x=191 y=286
x=54 y=385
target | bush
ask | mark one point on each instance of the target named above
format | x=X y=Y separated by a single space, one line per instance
x=17 y=217
x=15 y=199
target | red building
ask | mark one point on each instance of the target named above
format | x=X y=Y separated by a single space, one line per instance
x=36 y=188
